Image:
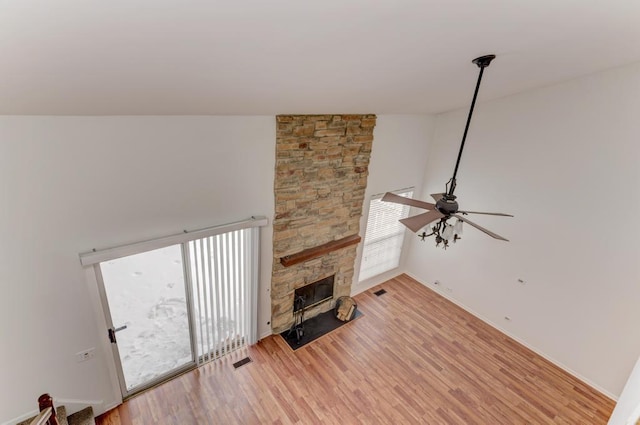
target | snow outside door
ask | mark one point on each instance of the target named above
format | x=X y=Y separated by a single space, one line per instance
x=149 y=309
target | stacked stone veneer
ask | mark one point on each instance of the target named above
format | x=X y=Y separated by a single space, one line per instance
x=322 y=164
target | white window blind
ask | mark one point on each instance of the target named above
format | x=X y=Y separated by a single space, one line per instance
x=384 y=236
x=224 y=276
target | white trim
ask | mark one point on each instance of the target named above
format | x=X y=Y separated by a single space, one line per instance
x=65 y=401
x=365 y=285
x=186 y=270
x=515 y=338
x=103 y=342
x=254 y=286
x=95 y=257
x=109 y=323
x=75 y=405
x=395 y=192
x=265 y=334
x=108 y=407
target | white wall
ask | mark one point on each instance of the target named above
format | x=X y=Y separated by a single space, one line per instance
x=564 y=160
x=70 y=184
x=627 y=410
x=398 y=160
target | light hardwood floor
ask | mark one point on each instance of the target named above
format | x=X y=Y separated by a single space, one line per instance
x=413 y=358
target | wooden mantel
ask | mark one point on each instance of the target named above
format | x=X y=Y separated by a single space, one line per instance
x=315 y=252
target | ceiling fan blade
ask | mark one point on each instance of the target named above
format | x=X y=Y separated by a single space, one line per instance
x=392 y=197
x=438 y=196
x=417 y=222
x=488 y=232
x=485 y=213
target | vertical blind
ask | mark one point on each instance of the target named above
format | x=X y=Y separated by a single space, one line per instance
x=384 y=236
x=222 y=273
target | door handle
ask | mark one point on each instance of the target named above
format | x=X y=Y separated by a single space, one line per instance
x=112 y=333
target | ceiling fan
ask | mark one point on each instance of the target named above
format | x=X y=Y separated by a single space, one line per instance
x=446 y=205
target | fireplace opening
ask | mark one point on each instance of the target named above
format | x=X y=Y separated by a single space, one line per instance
x=313 y=294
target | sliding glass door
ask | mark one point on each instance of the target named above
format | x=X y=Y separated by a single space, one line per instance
x=177 y=302
x=150 y=311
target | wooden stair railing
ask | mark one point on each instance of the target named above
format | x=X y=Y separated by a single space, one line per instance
x=42 y=418
x=45 y=401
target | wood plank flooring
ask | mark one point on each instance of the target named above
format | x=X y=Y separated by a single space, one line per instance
x=413 y=358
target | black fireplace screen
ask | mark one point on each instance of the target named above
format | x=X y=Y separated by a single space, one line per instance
x=313 y=293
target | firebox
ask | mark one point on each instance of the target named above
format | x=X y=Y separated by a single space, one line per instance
x=313 y=294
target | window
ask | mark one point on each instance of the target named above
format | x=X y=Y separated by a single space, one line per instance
x=384 y=236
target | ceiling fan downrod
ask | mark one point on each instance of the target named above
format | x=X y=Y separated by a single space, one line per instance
x=482 y=62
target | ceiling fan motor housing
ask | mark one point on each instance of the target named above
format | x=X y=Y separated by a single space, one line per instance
x=447 y=206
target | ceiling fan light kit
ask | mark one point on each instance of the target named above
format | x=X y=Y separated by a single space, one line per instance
x=446 y=205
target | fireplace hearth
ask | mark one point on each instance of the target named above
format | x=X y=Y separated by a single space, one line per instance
x=312 y=329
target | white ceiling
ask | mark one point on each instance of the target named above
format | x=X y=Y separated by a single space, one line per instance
x=131 y=57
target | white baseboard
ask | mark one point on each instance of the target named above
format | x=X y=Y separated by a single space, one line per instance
x=360 y=287
x=265 y=334
x=515 y=338
x=107 y=407
x=74 y=405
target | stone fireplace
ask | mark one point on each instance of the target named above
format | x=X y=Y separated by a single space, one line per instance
x=322 y=164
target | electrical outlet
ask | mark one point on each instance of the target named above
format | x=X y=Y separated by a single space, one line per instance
x=85 y=355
